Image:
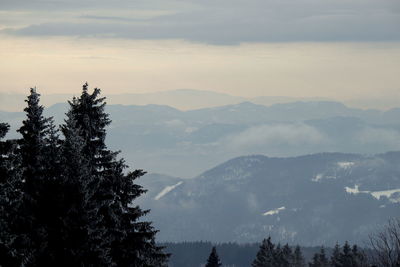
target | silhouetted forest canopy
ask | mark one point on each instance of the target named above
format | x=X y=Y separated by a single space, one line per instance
x=66 y=199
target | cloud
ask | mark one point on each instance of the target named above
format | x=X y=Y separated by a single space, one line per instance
x=276 y=135
x=221 y=22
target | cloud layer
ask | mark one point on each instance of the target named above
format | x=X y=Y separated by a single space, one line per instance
x=214 y=22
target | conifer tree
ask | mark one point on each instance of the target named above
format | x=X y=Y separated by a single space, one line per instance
x=71 y=201
x=32 y=228
x=213 y=260
x=315 y=261
x=298 y=259
x=129 y=240
x=320 y=259
x=278 y=256
x=359 y=258
x=81 y=241
x=346 y=257
x=32 y=144
x=287 y=256
x=265 y=255
x=335 y=257
x=10 y=196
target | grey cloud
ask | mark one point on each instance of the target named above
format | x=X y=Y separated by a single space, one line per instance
x=92 y=4
x=232 y=22
x=111 y=18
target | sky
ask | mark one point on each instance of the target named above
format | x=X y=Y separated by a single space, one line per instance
x=343 y=50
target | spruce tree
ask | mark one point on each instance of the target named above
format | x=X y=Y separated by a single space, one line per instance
x=279 y=257
x=287 y=256
x=265 y=255
x=298 y=259
x=126 y=239
x=335 y=257
x=32 y=229
x=10 y=197
x=315 y=261
x=213 y=260
x=359 y=258
x=80 y=241
x=320 y=259
x=346 y=256
x=70 y=202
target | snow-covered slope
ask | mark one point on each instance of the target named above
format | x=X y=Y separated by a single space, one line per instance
x=311 y=200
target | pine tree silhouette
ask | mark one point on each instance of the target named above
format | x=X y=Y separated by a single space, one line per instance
x=265 y=255
x=130 y=242
x=69 y=202
x=213 y=259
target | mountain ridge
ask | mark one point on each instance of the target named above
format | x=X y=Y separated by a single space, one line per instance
x=309 y=199
x=184 y=99
x=163 y=139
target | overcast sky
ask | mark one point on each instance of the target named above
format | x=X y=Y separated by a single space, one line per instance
x=331 y=48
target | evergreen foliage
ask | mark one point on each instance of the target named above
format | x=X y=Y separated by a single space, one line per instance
x=130 y=241
x=287 y=256
x=80 y=240
x=34 y=211
x=320 y=259
x=213 y=260
x=266 y=254
x=345 y=256
x=336 y=256
x=277 y=256
x=69 y=202
x=10 y=196
x=298 y=259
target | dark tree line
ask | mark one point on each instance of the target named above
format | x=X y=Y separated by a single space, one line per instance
x=345 y=256
x=65 y=198
x=272 y=255
x=196 y=253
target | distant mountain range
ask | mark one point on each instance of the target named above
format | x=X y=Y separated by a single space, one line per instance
x=311 y=200
x=184 y=99
x=179 y=143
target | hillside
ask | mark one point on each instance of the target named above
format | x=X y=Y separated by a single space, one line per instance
x=312 y=200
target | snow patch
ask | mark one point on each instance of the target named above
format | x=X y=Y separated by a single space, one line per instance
x=166 y=190
x=345 y=164
x=273 y=212
x=386 y=193
x=354 y=190
x=376 y=194
x=317 y=177
x=321 y=176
